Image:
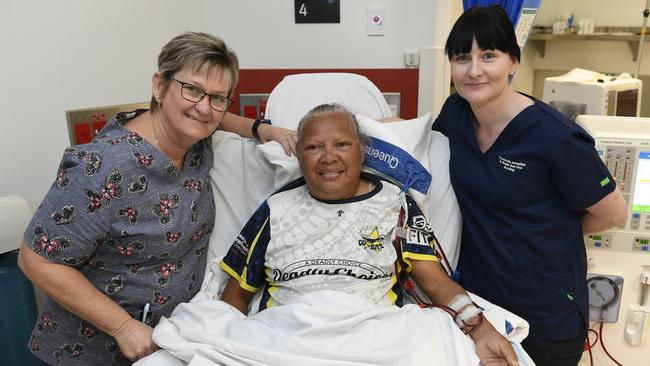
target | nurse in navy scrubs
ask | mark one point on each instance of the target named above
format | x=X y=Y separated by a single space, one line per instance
x=529 y=183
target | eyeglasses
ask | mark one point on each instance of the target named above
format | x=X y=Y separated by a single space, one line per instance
x=194 y=94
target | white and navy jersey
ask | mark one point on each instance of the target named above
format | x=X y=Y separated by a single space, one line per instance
x=295 y=244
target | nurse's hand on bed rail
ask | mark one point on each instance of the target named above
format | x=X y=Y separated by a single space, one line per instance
x=134 y=339
x=283 y=136
x=492 y=348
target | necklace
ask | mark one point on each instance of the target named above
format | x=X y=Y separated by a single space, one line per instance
x=155 y=135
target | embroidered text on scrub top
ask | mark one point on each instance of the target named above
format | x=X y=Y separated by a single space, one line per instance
x=511 y=165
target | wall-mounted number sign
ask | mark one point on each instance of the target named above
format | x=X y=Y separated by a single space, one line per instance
x=317 y=11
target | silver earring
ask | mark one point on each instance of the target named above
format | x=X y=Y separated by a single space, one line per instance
x=158 y=99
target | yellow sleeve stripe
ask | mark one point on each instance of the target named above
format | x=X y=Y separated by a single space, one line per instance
x=419 y=257
x=393 y=280
x=250 y=251
x=235 y=275
x=408 y=256
x=272 y=289
x=392 y=296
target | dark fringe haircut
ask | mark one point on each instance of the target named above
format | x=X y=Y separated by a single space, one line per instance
x=490 y=26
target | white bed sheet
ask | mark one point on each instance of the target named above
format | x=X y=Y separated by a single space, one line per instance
x=321 y=328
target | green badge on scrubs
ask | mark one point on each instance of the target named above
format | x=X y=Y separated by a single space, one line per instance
x=604 y=182
x=569 y=296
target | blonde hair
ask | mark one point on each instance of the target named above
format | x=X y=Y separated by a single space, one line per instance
x=197 y=50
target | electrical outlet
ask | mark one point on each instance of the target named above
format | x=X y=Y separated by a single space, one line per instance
x=411 y=58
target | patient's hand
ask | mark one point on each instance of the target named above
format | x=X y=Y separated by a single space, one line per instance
x=283 y=136
x=492 y=348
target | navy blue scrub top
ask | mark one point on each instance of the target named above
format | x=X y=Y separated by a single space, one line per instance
x=522 y=246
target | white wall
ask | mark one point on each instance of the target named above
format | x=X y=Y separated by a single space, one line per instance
x=59 y=55
x=264 y=35
x=69 y=54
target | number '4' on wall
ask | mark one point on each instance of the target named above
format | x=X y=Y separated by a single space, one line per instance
x=317 y=11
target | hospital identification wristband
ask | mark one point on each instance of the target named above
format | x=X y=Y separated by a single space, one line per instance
x=257 y=124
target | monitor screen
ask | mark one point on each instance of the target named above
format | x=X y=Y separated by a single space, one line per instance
x=641 y=200
x=626 y=101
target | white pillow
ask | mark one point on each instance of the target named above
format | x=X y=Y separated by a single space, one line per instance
x=241 y=178
x=393 y=149
x=441 y=206
x=286 y=106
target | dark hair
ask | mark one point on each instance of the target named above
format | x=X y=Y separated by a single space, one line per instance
x=489 y=25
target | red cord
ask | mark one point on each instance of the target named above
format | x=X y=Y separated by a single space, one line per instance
x=441 y=255
x=409 y=287
x=589 y=346
x=602 y=342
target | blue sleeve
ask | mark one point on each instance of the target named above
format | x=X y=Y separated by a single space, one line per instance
x=578 y=172
x=441 y=122
x=246 y=257
x=74 y=214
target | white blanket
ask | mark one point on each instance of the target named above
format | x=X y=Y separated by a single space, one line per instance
x=322 y=328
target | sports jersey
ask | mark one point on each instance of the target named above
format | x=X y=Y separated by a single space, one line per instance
x=522 y=200
x=295 y=244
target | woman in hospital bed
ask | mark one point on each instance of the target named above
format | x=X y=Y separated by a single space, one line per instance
x=320 y=251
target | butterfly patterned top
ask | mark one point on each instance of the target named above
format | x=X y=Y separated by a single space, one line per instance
x=121 y=212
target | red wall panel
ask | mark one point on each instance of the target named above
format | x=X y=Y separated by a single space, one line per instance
x=404 y=81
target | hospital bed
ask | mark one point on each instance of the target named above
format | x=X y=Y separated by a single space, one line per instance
x=245 y=173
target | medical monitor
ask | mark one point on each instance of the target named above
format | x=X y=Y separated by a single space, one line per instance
x=624 y=145
x=587 y=92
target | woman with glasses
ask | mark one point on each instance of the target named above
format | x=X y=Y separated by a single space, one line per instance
x=121 y=237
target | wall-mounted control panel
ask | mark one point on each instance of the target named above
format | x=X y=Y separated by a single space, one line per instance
x=84 y=124
x=253 y=105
